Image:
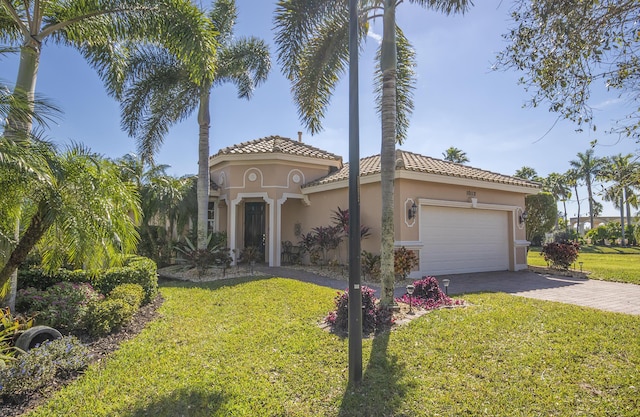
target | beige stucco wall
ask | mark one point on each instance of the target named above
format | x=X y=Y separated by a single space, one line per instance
x=278 y=183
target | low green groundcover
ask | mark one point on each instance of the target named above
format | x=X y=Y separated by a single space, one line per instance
x=255 y=348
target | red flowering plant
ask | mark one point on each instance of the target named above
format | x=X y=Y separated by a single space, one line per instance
x=428 y=295
x=374 y=317
x=560 y=254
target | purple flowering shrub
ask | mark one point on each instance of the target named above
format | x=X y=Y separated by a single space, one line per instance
x=374 y=318
x=62 y=306
x=39 y=366
x=560 y=254
x=428 y=295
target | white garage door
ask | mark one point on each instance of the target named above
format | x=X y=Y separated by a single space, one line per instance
x=460 y=240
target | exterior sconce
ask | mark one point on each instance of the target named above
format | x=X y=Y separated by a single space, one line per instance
x=411 y=213
x=523 y=217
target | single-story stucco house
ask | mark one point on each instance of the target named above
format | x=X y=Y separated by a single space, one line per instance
x=457 y=218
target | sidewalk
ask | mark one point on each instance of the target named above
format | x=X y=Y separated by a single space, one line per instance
x=602 y=295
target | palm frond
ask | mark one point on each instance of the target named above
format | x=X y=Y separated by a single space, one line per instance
x=246 y=63
x=445 y=6
x=296 y=22
x=223 y=15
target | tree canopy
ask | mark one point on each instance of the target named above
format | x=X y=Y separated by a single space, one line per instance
x=567 y=48
x=456 y=155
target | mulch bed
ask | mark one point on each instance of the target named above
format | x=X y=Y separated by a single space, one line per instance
x=99 y=348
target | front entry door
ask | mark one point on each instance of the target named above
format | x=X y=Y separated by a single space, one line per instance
x=254 y=226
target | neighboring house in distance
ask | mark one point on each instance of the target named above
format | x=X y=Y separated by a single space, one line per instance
x=457 y=218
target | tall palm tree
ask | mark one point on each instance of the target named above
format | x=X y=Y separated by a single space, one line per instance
x=573 y=180
x=587 y=166
x=620 y=170
x=159 y=90
x=313 y=41
x=556 y=184
x=456 y=155
x=94 y=27
x=527 y=173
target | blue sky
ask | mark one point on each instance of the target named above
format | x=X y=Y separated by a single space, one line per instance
x=460 y=101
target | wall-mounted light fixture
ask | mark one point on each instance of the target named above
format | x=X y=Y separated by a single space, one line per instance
x=523 y=217
x=411 y=213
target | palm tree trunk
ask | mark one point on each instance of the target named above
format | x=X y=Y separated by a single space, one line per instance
x=622 y=198
x=388 y=63
x=628 y=205
x=37 y=228
x=588 y=178
x=204 y=121
x=577 y=201
x=25 y=88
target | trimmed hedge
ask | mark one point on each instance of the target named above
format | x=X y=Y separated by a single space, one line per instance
x=108 y=315
x=136 y=270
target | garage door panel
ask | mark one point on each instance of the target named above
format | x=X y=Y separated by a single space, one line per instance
x=463 y=240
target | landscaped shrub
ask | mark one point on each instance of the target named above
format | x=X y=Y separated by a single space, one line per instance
x=39 y=366
x=62 y=306
x=137 y=270
x=36 y=277
x=404 y=261
x=132 y=294
x=202 y=259
x=560 y=255
x=428 y=295
x=109 y=315
x=10 y=328
x=374 y=318
x=370 y=265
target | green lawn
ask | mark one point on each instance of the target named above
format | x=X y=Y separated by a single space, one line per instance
x=253 y=348
x=604 y=262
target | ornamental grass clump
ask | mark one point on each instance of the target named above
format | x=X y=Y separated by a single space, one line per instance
x=428 y=295
x=560 y=255
x=374 y=317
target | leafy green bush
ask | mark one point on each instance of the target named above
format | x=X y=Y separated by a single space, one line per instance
x=39 y=366
x=109 y=315
x=561 y=255
x=132 y=294
x=10 y=328
x=136 y=270
x=597 y=235
x=62 y=306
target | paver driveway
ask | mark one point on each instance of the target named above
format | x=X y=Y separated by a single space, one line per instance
x=603 y=295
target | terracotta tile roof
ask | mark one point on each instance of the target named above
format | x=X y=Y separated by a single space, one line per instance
x=277 y=144
x=409 y=161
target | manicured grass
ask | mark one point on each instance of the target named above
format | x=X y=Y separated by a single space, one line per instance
x=604 y=262
x=253 y=348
